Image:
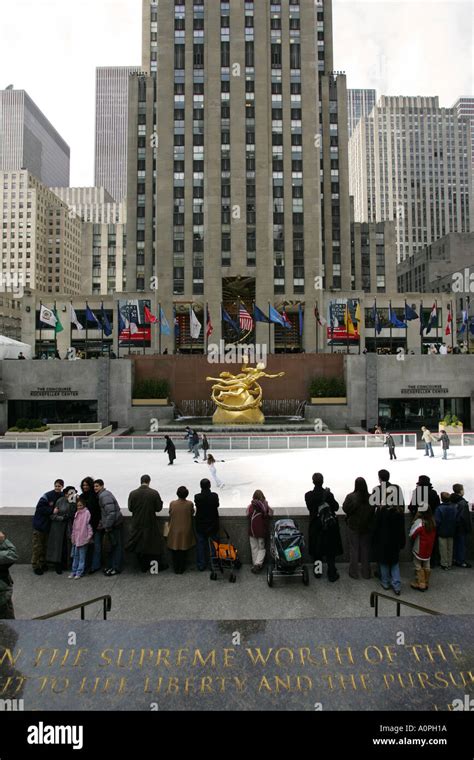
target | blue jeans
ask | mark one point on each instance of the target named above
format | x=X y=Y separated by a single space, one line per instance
x=459 y=553
x=97 y=551
x=202 y=550
x=445 y=453
x=429 y=449
x=79 y=559
x=390 y=576
x=116 y=554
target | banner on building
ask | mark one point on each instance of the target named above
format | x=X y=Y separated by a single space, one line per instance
x=137 y=330
x=342 y=322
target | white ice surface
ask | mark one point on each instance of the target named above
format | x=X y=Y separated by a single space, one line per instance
x=284 y=477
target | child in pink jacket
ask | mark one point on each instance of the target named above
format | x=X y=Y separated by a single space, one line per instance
x=80 y=537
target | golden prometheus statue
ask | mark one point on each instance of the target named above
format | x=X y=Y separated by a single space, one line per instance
x=239 y=397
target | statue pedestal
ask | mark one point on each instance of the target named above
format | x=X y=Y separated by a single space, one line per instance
x=247 y=417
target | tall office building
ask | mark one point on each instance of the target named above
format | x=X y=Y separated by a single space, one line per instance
x=411 y=162
x=41 y=239
x=465 y=107
x=240 y=189
x=111 y=129
x=29 y=141
x=359 y=104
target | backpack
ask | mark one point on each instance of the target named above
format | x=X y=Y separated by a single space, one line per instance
x=326 y=516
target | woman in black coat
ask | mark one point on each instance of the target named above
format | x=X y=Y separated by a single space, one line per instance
x=388 y=540
x=170 y=449
x=324 y=541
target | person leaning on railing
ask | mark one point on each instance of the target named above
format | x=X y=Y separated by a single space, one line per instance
x=8 y=555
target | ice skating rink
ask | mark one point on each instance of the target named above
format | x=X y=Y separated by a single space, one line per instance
x=284 y=477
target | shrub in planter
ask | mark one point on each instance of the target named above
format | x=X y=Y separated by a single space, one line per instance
x=151 y=389
x=327 y=387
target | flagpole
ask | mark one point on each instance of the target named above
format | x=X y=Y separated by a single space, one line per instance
x=102 y=330
x=437 y=320
x=347 y=326
x=118 y=329
x=191 y=327
x=159 y=328
x=451 y=324
x=421 y=325
x=41 y=336
x=359 y=324
x=55 y=333
x=391 y=329
x=87 y=307
x=205 y=327
x=406 y=330
x=468 y=325
x=375 y=326
x=269 y=330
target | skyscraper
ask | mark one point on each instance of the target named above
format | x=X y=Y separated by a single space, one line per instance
x=111 y=129
x=242 y=188
x=465 y=107
x=359 y=103
x=29 y=141
x=411 y=162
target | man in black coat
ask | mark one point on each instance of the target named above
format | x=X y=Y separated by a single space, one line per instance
x=324 y=541
x=207 y=521
x=463 y=525
x=42 y=524
x=145 y=537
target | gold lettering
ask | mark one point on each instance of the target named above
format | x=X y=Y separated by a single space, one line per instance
x=350 y=679
x=7 y=655
x=437 y=650
x=280 y=652
x=122 y=685
x=104 y=656
x=363 y=678
x=470 y=676
x=145 y=654
x=412 y=648
x=182 y=657
x=206 y=682
x=378 y=654
x=43 y=681
x=440 y=677
x=347 y=653
x=240 y=683
x=229 y=655
x=55 y=682
x=391 y=652
x=389 y=679
x=189 y=684
x=173 y=685
x=282 y=684
x=264 y=684
x=455 y=651
x=163 y=655
x=79 y=654
x=305 y=654
x=299 y=683
x=258 y=657
x=203 y=660
x=221 y=680
x=424 y=678
x=330 y=682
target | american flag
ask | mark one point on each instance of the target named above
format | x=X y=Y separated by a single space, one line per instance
x=245 y=320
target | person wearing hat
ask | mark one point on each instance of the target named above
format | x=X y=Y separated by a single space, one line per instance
x=423 y=534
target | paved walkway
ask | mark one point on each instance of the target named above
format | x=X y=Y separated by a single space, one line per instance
x=193 y=596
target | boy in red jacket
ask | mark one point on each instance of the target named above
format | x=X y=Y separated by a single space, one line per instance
x=423 y=533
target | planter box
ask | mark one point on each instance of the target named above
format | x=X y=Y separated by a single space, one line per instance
x=46 y=435
x=450 y=429
x=150 y=402
x=321 y=400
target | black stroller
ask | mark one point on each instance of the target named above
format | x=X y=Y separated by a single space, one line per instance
x=286 y=550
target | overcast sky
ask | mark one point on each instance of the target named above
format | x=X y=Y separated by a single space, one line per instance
x=51 y=48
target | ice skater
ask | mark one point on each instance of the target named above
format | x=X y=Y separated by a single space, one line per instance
x=428 y=439
x=205 y=446
x=211 y=463
x=445 y=442
x=170 y=449
x=391 y=446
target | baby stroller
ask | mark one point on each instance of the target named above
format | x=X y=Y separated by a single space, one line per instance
x=286 y=550
x=224 y=556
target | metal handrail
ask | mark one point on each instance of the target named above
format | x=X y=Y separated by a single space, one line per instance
x=107 y=606
x=374 y=602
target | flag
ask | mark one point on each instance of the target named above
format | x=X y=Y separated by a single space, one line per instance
x=209 y=327
x=245 y=320
x=91 y=317
x=194 y=324
x=258 y=315
x=471 y=326
x=348 y=323
x=149 y=317
x=433 y=319
x=448 y=323
x=47 y=316
x=285 y=319
x=106 y=326
x=123 y=325
x=422 y=326
x=393 y=319
x=300 y=319
x=74 y=319
x=176 y=323
x=58 y=326
x=319 y=319
x=164 y=325
x=276 y=317
x=358 y=316
x=465 y=320
x=227 y=318
x=410 y=313
x=377 y=320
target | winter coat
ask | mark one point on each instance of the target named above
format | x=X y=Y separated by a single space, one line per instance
x=445 y=519
x=181 y=535
x=92 y=504
x=259 y=514
x=463 y=516
x=423 y=540
x=111 y=515
x=428 y=437
x=445 y=442
x=360 y=513
x=417 y=499
x=170 y=449
x=81 y=528
x=44 y=510
x=195 y=439
x=388 y=537
x=390 y=443
x=8 y=555
x=207 y=513
x=58 y=530
x=145 y=536
x=388 y=494
x=205 y=444
x=322 y=543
